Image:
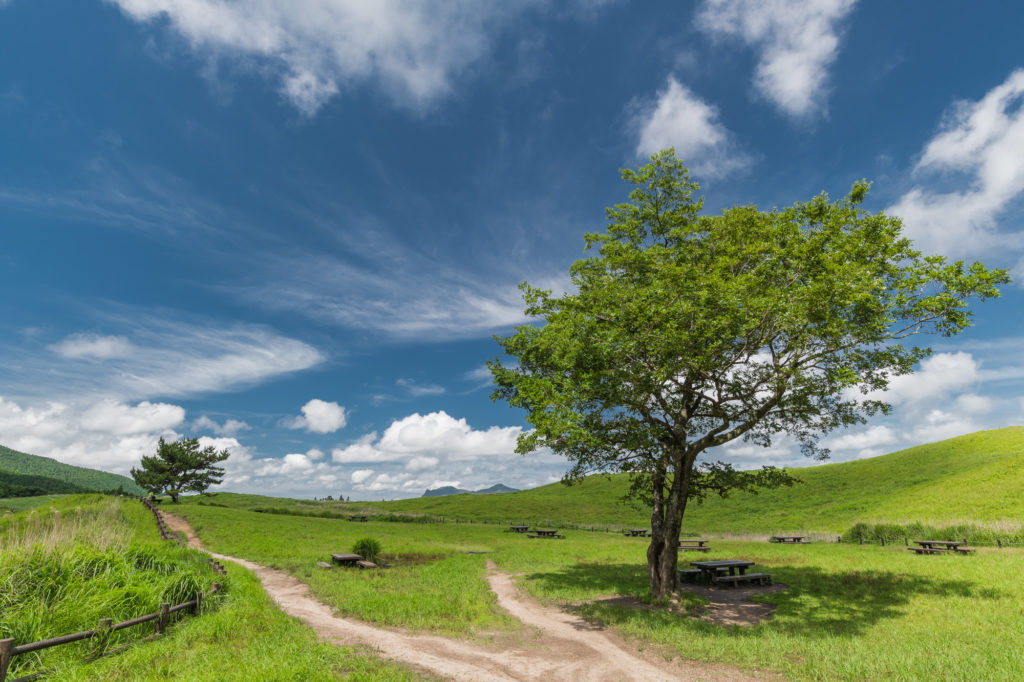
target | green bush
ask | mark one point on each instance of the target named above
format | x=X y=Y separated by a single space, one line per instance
x=368 y=548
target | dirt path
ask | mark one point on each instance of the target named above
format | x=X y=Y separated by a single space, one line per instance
x=565 y=647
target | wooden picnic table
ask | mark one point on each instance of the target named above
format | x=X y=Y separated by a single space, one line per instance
x=544 y=533
x=519 y=529
x=636 y=532
x=699 y=543
x=709 y=569
x=357 y=517
x=346 y=559
x=940 y=544
x=792 y=539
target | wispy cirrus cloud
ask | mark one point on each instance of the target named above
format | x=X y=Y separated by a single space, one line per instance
x=678 y=118
x=977 y=156
x=796 y=41
x=124 y=195
x=155 y=355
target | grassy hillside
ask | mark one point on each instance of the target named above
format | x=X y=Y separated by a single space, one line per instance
x=14 y=462
x=977 y=478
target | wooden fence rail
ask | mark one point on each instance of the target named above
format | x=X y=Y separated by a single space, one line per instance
x=101 y=633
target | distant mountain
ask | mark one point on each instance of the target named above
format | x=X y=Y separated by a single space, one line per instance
x=496 y=488
x=451 y=490
x=20 y=470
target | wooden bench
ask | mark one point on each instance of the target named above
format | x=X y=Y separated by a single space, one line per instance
x=357 y=517
x=927 y=550
x=963 y=550
x=548 y=535
x=694 y=548
x=759 y=578
x=366 y=564
x=689 y=575
x=323 y=564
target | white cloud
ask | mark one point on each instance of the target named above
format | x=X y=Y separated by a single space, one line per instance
x=983 y=143
x=971 y=403
x=422 y=463
x=796 y=40
x=118 y=418
x=92 y=346
x=418 y=390
x=230 y=427
x=679 y=118
x=167 y=358
x=436 y=434
x=940 y=425
x=412 y=49
x=319 y=416
x=866 y=442
x=939 y=376
x=360 y=475
x=315 y=454
x=105 y=435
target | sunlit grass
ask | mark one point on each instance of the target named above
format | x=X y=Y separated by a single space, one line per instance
x=851 y=612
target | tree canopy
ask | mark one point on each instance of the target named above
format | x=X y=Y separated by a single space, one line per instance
x=687 y=331
x=180 y=466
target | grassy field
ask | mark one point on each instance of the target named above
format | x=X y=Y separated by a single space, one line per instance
x=81 y=558
x=851 y=612
x=978 y=478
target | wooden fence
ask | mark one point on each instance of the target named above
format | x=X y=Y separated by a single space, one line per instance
x=106 y=627
x=101 y=634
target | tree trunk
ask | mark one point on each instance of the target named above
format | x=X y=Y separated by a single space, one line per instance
x=174 y=496
x=666 y=522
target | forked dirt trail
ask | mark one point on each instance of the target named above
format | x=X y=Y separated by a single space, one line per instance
x=564 y=647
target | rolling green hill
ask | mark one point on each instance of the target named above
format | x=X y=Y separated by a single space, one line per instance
x=17 y=463
x=978 y=478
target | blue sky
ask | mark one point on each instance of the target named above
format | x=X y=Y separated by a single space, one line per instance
x=291 y=227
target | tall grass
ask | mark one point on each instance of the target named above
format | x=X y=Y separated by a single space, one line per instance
x=63 y=569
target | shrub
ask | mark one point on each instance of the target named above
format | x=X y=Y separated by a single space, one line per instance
x=368 y=548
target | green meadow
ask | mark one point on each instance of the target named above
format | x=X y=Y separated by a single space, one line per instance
x=851 y=612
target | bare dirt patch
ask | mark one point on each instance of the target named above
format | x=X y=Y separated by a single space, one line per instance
x=732 y=605
x=562 y=646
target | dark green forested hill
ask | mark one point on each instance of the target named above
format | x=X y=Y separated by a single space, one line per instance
x=19 y=469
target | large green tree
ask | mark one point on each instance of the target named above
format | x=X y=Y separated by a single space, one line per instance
x=180 y=466
x=687 y=331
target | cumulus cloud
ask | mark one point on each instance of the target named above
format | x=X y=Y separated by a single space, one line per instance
x=230 y=427
x=796 y=41
x=94 y=346
x=105 y=435
x=360 y=475
x=436 y=434
x=118 y=418
x=679 y=118
x=319 y=416
x=981 y=144
x=938 y=377
x=413 y=50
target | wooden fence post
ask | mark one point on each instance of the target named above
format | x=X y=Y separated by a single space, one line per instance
x=165 y=614
x=5 y=657
x=103 y=630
